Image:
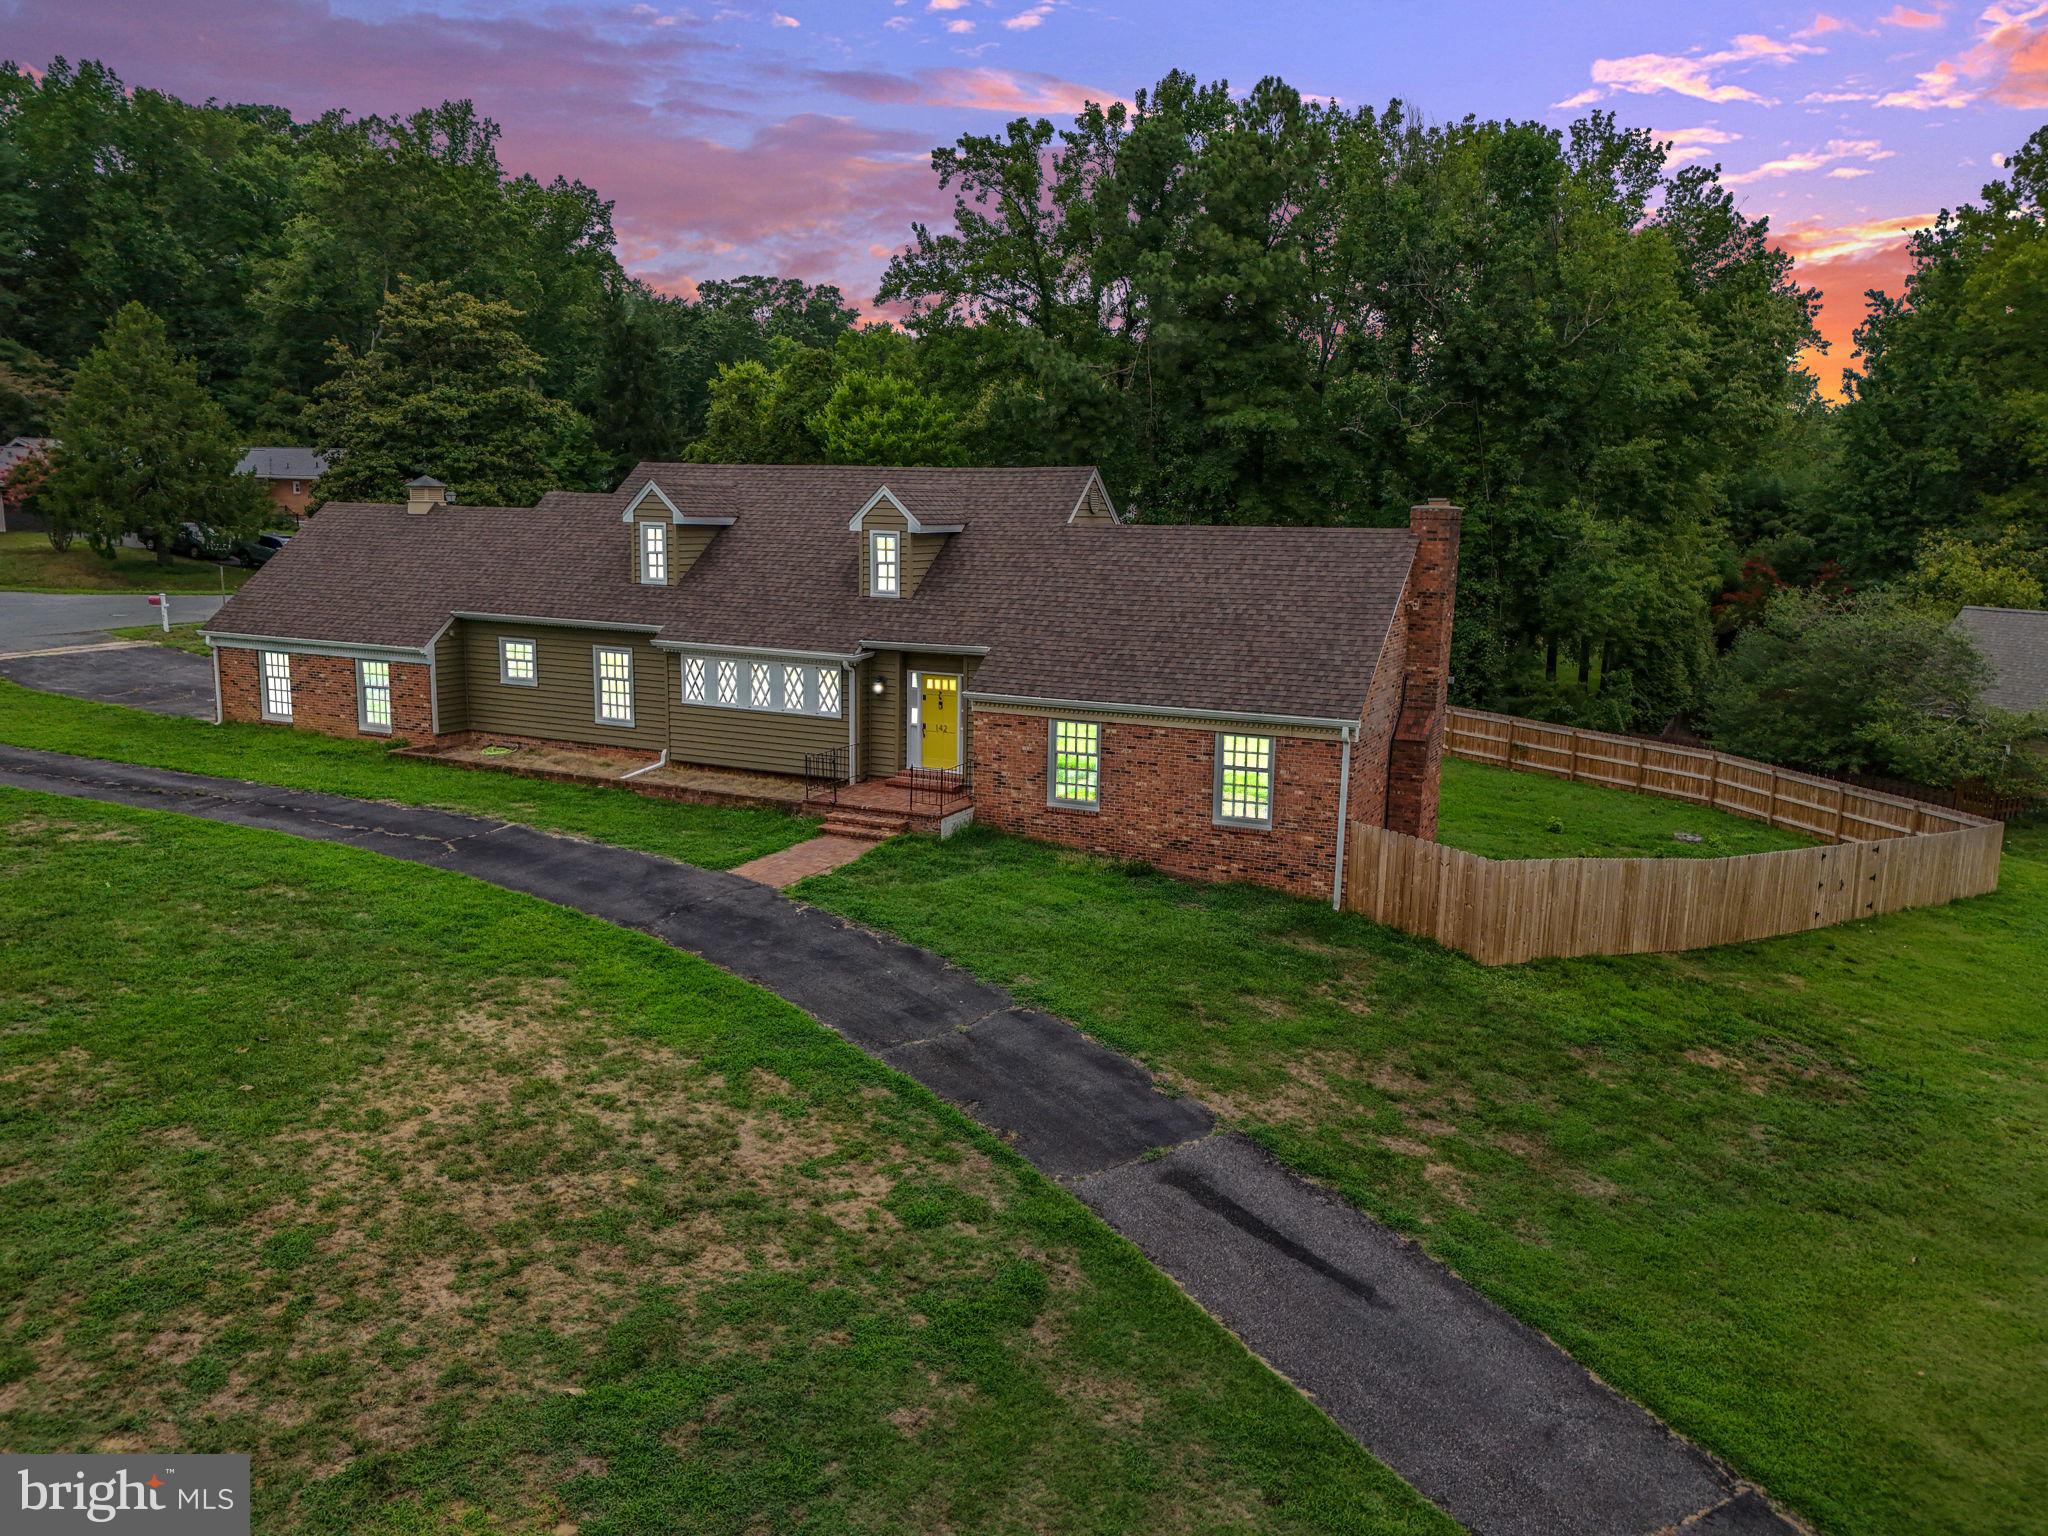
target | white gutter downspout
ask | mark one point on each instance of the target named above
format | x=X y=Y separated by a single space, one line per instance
x=853 y=697
x=217 y=713
x=1343 y=818
x=659 y=762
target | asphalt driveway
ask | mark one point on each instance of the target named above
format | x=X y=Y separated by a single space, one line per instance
x=152 y=677
x=1482 y=1414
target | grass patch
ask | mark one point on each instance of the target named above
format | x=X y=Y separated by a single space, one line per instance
x=179 y=637
x=714 y=836
x=1501 y=814
x=1792 y=1196
x=28 y=563
x=462 y=1211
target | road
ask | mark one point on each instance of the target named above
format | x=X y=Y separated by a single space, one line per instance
x=36 y=621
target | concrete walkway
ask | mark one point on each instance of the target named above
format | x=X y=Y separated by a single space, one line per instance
x=1480 y=1413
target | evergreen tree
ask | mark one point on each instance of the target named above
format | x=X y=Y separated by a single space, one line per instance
x=448 y=389
x=143 y=448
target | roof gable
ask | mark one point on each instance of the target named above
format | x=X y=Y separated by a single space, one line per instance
x=888 y=498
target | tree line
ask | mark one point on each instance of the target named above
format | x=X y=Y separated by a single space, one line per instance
x=1244 y=307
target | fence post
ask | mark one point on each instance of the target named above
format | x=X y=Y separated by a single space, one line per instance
x=1574 y=738
x=1642 y=752
x=1511 y=742
x=1774 y=795
x=1714 y=780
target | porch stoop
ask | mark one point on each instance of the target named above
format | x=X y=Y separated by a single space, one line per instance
x=867 y=826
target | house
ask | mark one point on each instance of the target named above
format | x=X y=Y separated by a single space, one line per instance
x=11 y=454
x=288 y=472
x=1215 y=701
x=2015 y=643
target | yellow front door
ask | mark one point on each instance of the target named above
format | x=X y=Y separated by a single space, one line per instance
x=938 y=711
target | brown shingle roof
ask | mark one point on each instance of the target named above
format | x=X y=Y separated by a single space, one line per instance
x=1281 y=621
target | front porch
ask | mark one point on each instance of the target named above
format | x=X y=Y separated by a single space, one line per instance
x=917 y=799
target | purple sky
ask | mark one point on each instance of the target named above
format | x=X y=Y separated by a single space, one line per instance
x=737 y=138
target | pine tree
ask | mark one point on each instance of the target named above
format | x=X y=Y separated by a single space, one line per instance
x=143 y=448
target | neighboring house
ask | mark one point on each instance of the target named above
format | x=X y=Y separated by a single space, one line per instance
x=289 y=473
x=2015 y=642
x=11 y=454
x=1214 y=701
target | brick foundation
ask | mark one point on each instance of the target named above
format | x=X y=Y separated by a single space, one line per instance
x=324 y=695
x=1156 y=789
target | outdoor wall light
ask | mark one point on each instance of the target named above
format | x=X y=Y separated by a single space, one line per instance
x=876 y=687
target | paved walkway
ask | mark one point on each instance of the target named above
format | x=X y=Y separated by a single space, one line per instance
x=1480 y=1413
x=800 y=861
x=142 y=675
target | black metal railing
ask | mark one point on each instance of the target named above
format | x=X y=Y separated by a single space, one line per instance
x=822 y=777
x=931 y=788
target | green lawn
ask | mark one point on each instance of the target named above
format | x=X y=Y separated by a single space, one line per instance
x=717 y=837
x=1793 y=1196
x=29 y=564
x=460 y=1211
x=179 y=637
x=1506 y=815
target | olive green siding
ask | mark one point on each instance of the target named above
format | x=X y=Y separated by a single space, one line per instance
x=562 y=703
x=920 y=551
x=685 y=544
x=744 y=738
x=881 y=721
x=451 y=693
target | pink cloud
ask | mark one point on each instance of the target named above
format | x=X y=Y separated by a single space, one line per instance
x=977 y=88
x=2006 y=63
x=1692 y=74
x=1906 y=16
x=1803 y=161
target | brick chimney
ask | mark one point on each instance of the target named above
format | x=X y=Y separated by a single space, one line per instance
x=1416 y=755
x=425 y=494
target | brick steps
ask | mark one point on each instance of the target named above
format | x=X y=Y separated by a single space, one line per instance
x=867 y=826
x=949 y=779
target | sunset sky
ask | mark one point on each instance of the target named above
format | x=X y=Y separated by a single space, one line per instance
x=737 y=138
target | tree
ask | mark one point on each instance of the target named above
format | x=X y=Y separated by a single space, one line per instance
x=1946 y=425
x=883 y=418
x=1952 y=571
x=1869 y=685
x=143 y=448
x=448 y=388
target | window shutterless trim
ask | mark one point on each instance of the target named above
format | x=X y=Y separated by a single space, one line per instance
x=875 y=538
x=598 y=653
x=366 y=690
x=1053 y=797
x=505 y=643
x=652 y=535
x=267 y=677
x=1269 y=773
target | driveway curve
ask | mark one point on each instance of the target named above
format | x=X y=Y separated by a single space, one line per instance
x=1482 y=1414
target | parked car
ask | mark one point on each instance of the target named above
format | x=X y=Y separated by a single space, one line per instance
x=254 y=551
x=195 y=541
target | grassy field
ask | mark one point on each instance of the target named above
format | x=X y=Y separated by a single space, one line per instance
x=1793 y=1196
x=716 y=837
x=463 y=1212
x=179 y=637
x=29 y=564
x=1506 y=815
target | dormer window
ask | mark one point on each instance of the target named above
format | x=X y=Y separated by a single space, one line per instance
x=885 y=564
x=653 y=553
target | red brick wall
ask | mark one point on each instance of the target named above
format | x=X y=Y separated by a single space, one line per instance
x=324 y=695
x=1376 y=722
x=1156 y=789
x=1416 y=756
x=283 y=497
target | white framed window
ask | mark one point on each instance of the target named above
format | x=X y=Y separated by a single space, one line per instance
x=277 y=685
x=1074 y=761
x=1244 y=780
x=654 y=553
x=518 y=661
x=779 y=685
x=612 y=667
x=296 y=491
x=373 y=696
x=885 y=564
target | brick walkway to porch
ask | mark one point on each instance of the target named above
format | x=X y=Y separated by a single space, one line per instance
x=784 y=869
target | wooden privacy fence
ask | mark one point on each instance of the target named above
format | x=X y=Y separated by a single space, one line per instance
x=1885 y=853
